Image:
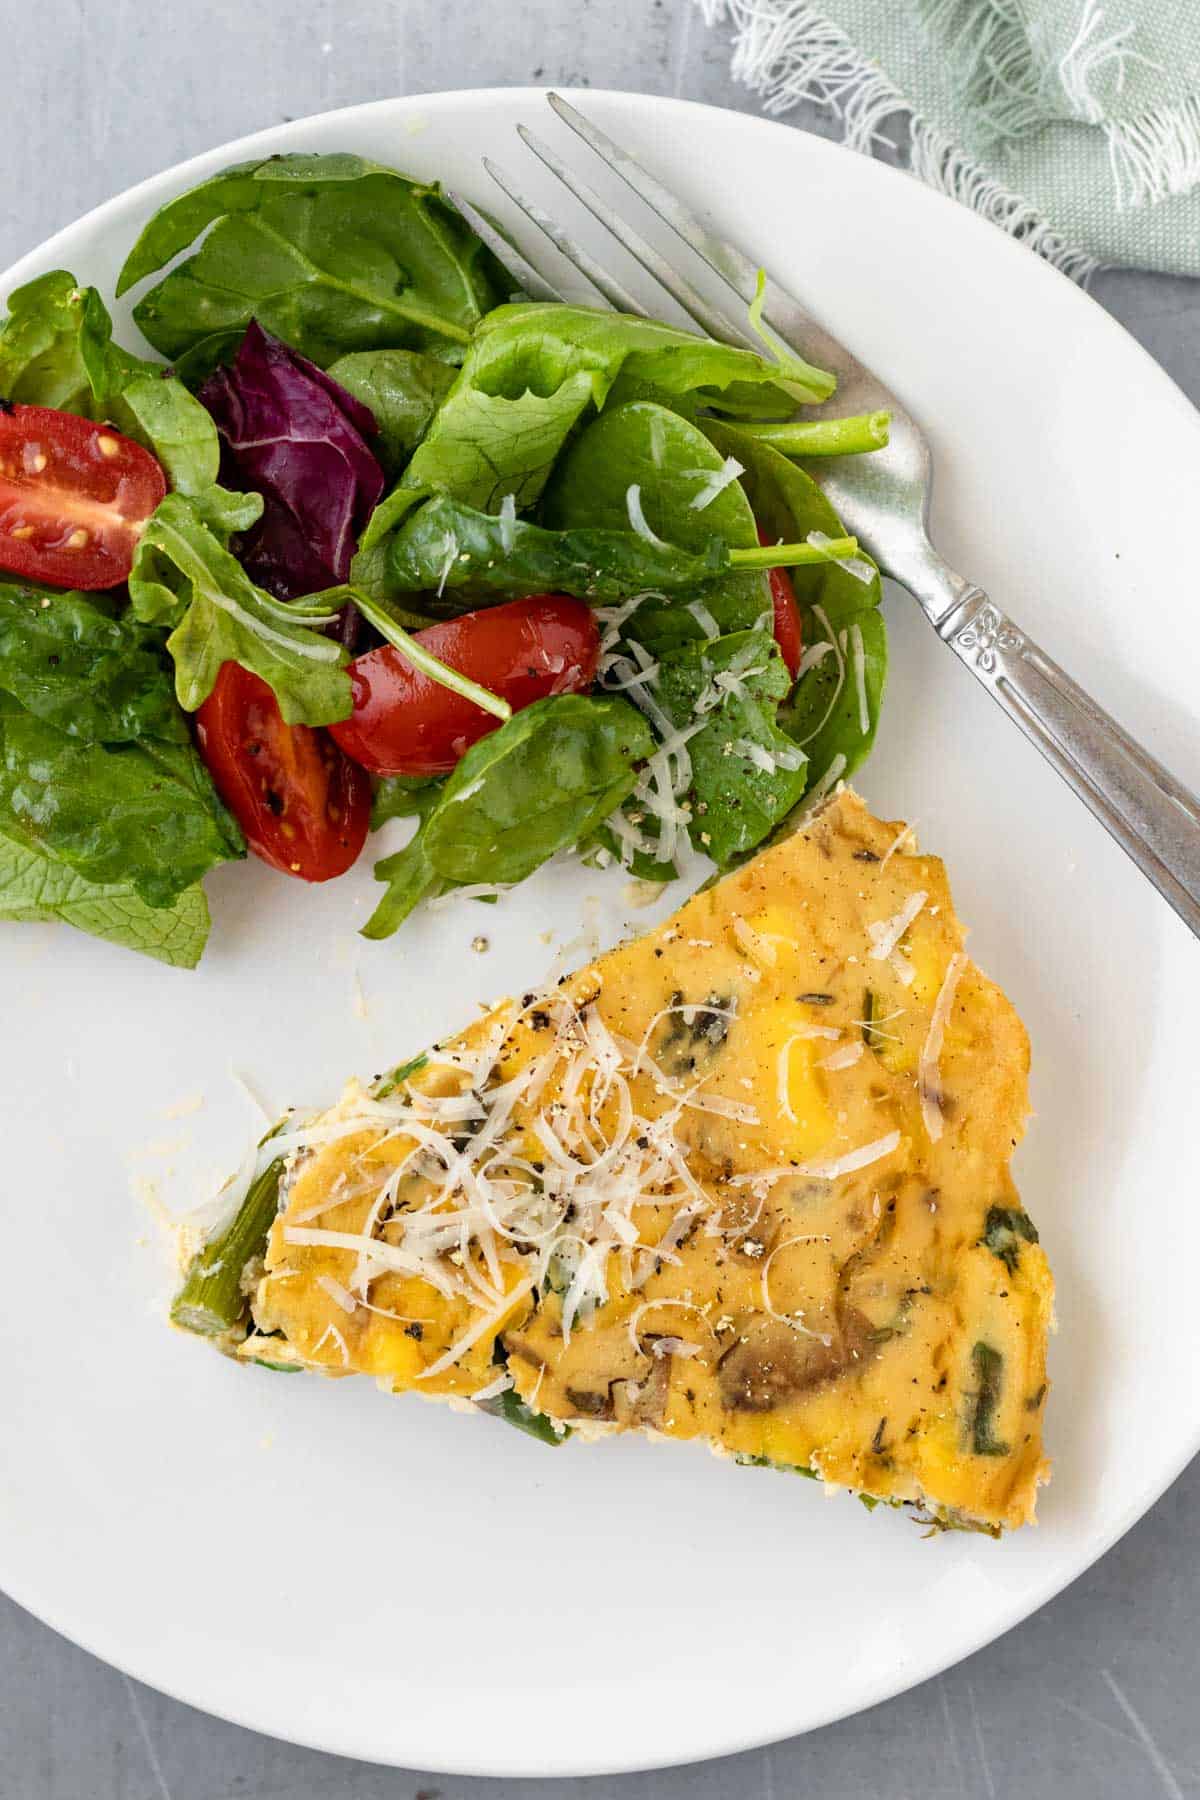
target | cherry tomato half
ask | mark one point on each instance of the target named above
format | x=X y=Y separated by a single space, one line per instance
x=74 y=497
x=405 y=724
x=303 y=806
x=787 y=614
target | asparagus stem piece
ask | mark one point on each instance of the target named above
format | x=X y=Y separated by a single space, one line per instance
x=791 y=556
x=420 y=658
x=853 y=436
x=387 y=1084
x=211 y=1300
x=513 y=1410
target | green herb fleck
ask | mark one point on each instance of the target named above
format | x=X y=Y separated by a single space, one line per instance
x=1004 y=1230
x=988 y=1365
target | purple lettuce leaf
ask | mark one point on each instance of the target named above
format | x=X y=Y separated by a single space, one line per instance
x=300 y=440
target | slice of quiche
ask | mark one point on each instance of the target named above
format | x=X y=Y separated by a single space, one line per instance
x=743 y=1180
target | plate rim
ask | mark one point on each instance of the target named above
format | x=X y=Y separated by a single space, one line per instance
x=145 y=195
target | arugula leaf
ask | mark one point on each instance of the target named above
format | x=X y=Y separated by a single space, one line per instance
x=226 y=512
x=144 y=815
x=482 y=557
x=36 y=886
x=544 y=781
x=825 y=714
x=411 y=878
x=404 y=797
x=669 y=460
x=738 y=797
x=183 y=577
x=534 y=369
x=157 y=411
x=99 y=678
x=56 y=350
x=330 y=253
x=403 y=390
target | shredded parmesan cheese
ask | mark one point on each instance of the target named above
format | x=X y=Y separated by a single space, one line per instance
x=637 y=518
x=756 y=945
x=885 y=934
x=337 y=1293
x=714 y=482
x=831 y=1169
x=703 y=617
x=858 y=662
x=783 y=1318
x=508 y=522
x=858 y=566
x=928 y=1071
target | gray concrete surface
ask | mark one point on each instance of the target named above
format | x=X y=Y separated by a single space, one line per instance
x=1095 y=1698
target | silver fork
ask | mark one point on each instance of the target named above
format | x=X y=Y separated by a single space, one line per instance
x=884 y=500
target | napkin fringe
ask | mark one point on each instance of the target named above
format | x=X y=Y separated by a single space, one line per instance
x=1156 y=155
x=793 y=52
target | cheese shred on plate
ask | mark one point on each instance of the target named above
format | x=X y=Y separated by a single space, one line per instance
x=693 y=1190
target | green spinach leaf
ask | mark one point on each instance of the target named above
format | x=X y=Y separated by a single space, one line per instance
x=56 y=349
x=669 y=460
x=482 y=446
x=41 y=353
x=403 y=390
x=474 y=556
x=330 y=253
x=34 y=885
x=746 y=773
x=834 y=709
x=99 y=677
x=143 y=815
x=544 y=781
x=183 y=577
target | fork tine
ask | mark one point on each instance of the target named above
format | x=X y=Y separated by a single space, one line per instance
x=527 y=278
x=709 y=318
x=736 y=270
x=610 y=291
x=723 y=258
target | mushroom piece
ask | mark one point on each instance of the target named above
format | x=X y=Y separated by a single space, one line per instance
x=770 y=1362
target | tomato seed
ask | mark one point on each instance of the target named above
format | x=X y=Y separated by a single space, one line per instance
x=107 y=446
x=77 y=540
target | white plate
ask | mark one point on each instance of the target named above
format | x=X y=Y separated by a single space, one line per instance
x=397 y=1582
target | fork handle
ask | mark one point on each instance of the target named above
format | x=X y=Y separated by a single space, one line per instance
x=1154 y=818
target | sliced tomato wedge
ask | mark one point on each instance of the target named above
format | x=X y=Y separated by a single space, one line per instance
x=403 y=723
x=304 y=807
x=74 y=497
x=786 y=614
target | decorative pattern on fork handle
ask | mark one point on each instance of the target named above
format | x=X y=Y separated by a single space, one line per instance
x=986 y=633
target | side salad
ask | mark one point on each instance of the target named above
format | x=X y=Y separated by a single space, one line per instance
x=377 y=540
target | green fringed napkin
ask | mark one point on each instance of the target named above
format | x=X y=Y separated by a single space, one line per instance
x=1073 y=125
